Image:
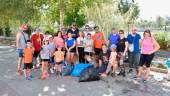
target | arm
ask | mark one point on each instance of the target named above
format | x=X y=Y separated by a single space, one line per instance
x=17 y=40
x=126 y=48
x=156 y=45
x=66 y=46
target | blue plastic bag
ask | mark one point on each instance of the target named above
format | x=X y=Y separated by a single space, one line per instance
x=78 y=68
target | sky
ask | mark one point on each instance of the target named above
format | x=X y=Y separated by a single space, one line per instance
x=153 y=8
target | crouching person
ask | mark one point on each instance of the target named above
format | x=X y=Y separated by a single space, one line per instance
x=103 y=59
x=112 y=66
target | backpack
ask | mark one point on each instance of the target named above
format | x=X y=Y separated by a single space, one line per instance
x=67 y=70
x=89 y=74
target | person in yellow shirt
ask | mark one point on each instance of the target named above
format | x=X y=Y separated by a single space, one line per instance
x=59 y=58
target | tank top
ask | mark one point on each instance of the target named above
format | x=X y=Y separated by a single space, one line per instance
x=22 y=40
x=146 y=45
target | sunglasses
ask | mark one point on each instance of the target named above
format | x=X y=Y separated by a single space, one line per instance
x=121 y=33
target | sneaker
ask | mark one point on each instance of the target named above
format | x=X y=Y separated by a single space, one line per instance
x=31 y=76
x=28 y=78
x=51 y=71
x=130 y=70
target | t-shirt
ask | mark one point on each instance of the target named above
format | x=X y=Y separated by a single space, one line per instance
x=135 y=40
x=51 y=46
x=75 y=32
x=28 y=55
x=22 y=40
x=121 y=45
x=80 y=42
x=45 y=52
x=89 y=43
x=59 y=42
x=113 y=38
x=147 y=45
x=98 y=39
x=59 y=56
x=70 y=42
x=113 y=57
x=104 y=57
x=37 y=40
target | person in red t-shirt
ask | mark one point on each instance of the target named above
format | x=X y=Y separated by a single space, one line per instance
x=37 y=39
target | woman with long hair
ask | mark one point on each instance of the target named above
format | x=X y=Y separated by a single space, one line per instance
x=148 y=47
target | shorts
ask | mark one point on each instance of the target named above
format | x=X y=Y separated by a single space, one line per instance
x=52 y=60
x=28 y=65
x=146 y=60
x=58 y=63
x=36 y=53
x=72 y=50
x=97 y=51
x=88 y=53
x=20 y=52
x=45 y=59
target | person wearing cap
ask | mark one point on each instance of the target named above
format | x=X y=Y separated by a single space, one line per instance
x=21 y=40
x=37 y=40
x=134 y=40
x=112 y=62
x=51 y=46
x=98 y=39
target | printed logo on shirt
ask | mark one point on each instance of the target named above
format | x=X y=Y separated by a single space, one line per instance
x=99 y=37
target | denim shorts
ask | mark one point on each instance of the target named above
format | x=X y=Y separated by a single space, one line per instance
x=20 y=52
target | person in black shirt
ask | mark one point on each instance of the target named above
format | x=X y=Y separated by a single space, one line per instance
x=74 y=31
x=103 y=59
x=122 y=46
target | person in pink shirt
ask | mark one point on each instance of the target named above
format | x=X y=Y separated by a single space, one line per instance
x=148 y=47
x=58 y=40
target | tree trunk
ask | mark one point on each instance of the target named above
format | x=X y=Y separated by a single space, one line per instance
x=61 y=10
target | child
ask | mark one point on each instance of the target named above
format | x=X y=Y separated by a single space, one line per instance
x=45 y=57
x=59 y=58
x=112 y=61
x=80 y=47
x=88 y=47
x=28 y=55
x=52 y=50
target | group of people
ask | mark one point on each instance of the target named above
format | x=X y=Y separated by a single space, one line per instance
x=74 y=46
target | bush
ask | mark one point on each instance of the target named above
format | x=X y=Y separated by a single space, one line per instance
x=163 y=40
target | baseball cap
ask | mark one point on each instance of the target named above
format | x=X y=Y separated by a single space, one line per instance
x=113 y=46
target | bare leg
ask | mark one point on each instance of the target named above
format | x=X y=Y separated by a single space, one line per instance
x=114 y=67
x=140 y=70
x=25 y=73
x=147 y=73
x=19 y=63
x=68 y=58
x=72 y=58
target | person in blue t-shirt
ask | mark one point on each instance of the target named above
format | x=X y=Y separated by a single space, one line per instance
x=113 y=37
x=134 y=56
x=70 y=46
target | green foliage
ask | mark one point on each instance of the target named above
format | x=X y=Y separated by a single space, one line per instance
x=7 y=31
x=1 y=32
x=163 y=39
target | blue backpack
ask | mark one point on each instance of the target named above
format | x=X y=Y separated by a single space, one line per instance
x=78 y=69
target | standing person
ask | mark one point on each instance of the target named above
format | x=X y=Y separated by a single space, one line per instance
x=58 y=40
x=122 y=46
x=45 y=58
x=80 y=47
x=86 y=30
x=103 y=59
x=28 y=55
x=148 y=47
x=88 y=48
x=36 y=39
x=98 y=39
x=70 y=47
x=52 y=50
x=112 y=61
x=59 y=58
x=74 y=31
x=134 y=40
x=113 y=37
x=21 y=39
